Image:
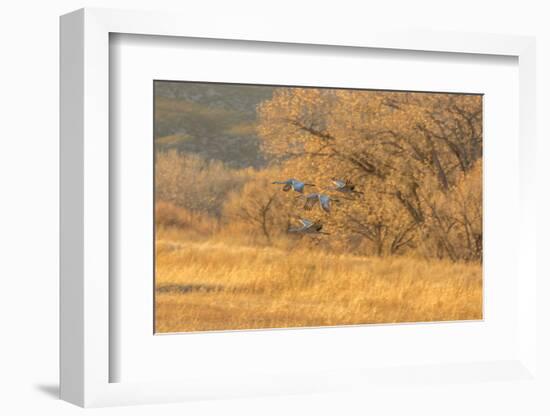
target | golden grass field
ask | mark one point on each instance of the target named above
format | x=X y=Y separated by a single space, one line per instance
x=214 y=285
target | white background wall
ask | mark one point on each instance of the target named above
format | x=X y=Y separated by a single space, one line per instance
x=29 y=187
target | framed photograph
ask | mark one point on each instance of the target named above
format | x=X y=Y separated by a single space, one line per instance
x=275 y=212
x=281 y=207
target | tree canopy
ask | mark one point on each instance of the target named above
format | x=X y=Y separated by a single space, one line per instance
x=415 y=156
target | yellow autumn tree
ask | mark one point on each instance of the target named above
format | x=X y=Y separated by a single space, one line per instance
x=414 y=156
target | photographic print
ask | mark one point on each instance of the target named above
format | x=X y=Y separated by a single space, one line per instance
x=285 y=207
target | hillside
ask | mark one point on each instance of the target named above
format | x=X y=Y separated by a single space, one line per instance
x=213 y=121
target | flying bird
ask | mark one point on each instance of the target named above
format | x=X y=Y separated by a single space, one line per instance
x=323 y=200
x=344 y=186
x=308 y=227
x=293 y=184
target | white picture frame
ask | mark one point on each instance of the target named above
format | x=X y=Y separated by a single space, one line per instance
x=85 y=211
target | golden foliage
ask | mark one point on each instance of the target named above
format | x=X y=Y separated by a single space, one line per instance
x=408 y=152
x=193 y=183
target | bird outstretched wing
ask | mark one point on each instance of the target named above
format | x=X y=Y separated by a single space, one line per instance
x=310 y=202
x=305 y=223
x=324 y=200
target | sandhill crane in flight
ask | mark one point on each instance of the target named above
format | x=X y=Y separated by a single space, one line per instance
x=308 y=227
x=344 y=186
x=293 y=184
x=323 y=200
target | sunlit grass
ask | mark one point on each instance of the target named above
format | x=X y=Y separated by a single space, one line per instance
x=218 y=285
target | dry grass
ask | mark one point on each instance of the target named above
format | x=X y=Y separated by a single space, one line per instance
x=212 y=285
x=168 y=215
